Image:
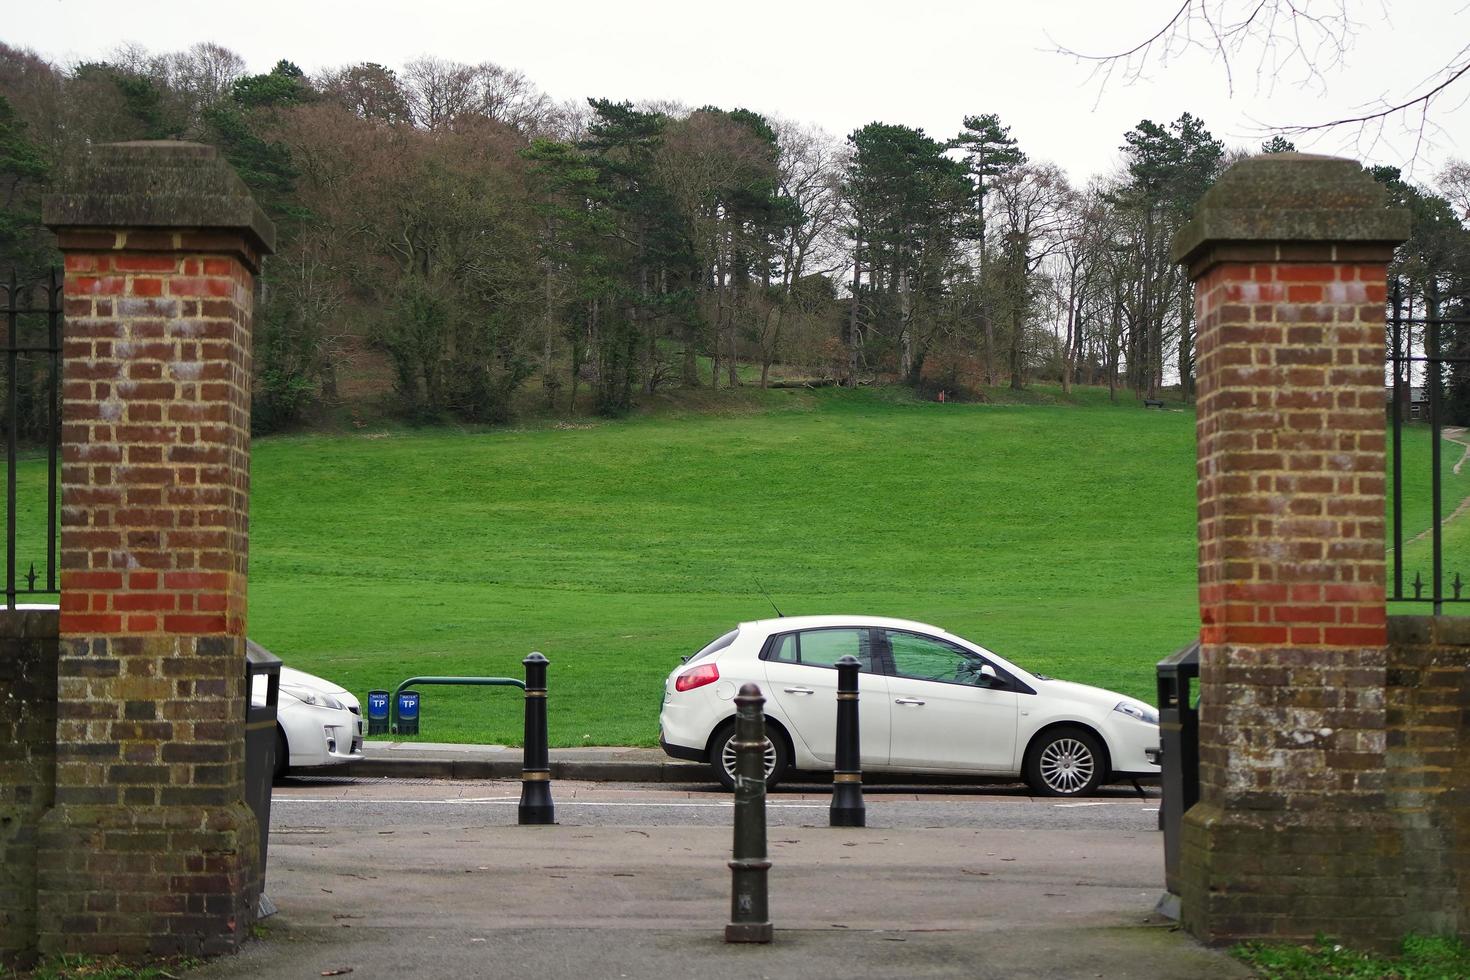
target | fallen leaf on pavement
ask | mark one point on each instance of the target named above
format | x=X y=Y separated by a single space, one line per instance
x=338 y=972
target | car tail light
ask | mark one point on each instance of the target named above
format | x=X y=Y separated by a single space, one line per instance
x=698 y=677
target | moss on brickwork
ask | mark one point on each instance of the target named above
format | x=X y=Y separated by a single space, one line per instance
x=1297 y=832
x=157 y=184
x=1428 y=760
x=147 y=880
x=1292 y=197
x=148 y=849
x=27 y=768
x=1370 y=876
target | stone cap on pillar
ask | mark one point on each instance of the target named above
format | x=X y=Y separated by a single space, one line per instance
x=1283 y=207
x=163 y=187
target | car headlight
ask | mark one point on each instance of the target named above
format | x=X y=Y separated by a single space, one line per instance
x=307 y=695
x=1134 y=710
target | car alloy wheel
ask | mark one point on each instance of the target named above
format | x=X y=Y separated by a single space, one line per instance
x=727 y=758
x=1067 y=762
x=283 y=756
x=722 y=758
x=1067 y=765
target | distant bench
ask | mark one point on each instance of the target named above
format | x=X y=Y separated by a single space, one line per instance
x=1153 y=403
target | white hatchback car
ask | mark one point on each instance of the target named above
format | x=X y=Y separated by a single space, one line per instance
x=930 y=702
x=318 y=723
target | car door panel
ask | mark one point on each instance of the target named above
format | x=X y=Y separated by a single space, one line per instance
x=941 y=714
x=806 y=694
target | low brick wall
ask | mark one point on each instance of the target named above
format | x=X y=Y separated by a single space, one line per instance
x=27 y=768
x=1428 y=767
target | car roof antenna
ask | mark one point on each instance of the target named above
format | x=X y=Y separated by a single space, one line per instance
x=779 y=615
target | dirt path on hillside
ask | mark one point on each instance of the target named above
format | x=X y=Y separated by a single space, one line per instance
x=1459 y=437
x=1456 y=434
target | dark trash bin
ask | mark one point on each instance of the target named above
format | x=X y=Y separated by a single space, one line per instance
x=263 y=691
x=1179 y=743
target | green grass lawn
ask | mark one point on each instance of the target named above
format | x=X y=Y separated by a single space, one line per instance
x=1420 y=958
x=1061 y=537
x=1418 y=510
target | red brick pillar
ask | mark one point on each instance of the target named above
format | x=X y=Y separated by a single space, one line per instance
x=149 y=848
x=1288 y=253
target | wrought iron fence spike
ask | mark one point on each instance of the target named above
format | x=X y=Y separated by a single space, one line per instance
x=1418 y=586
x=1457 y=585
x=31 y=577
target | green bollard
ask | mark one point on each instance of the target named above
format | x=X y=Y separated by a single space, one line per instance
x=847 y=808
x=536 y=806
x=750 y=918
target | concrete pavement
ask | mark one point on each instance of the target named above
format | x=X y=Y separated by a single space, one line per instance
x=466 y=893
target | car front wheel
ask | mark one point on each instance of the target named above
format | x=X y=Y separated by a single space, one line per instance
x=1066 y=762
x=283 y=756
x=722 y=758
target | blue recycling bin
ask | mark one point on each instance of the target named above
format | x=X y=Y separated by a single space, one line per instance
x=408 y=712
x=377 y=712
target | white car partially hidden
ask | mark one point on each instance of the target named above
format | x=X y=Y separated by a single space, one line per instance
x=317 y=722
x=929 y=702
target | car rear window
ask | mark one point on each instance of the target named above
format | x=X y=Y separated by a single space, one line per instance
x=715 y=645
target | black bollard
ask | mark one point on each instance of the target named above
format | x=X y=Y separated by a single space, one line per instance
x=750 y=918
x=536 y=806
x=847 y=778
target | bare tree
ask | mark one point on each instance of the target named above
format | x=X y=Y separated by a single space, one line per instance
x=702 y=162
x=809 y=168
x=1454 y=183
x=367 y=90
x=438 y=91
x=205 y=73
x=1298 y=41
x=1033 y=200
x=507 y=96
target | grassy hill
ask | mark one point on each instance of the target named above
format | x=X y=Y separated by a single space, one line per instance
x=1060 y=538
x=1058 y=531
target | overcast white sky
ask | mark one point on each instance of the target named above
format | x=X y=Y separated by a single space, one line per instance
x=922 y=63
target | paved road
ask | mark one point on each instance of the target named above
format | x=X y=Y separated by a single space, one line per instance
x=392 y=878
x=373 y=803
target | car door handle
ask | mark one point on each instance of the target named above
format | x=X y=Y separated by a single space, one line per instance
x=800 y=690
x=907 y=701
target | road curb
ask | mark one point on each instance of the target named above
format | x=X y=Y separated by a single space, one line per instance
x=581 y=770
x=614 y=771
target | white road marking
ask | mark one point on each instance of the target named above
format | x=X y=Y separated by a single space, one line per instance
x=1094 y=803
x=560 y=803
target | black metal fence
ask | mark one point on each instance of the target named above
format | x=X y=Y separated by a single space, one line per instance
x=32 y=316
x=1418 y=394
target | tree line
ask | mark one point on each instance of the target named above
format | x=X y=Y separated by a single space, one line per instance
x=453 y=240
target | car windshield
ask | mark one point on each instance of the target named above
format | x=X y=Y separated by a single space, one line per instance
x=715 y=645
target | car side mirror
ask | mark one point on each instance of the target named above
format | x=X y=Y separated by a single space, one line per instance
x=988 y=675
